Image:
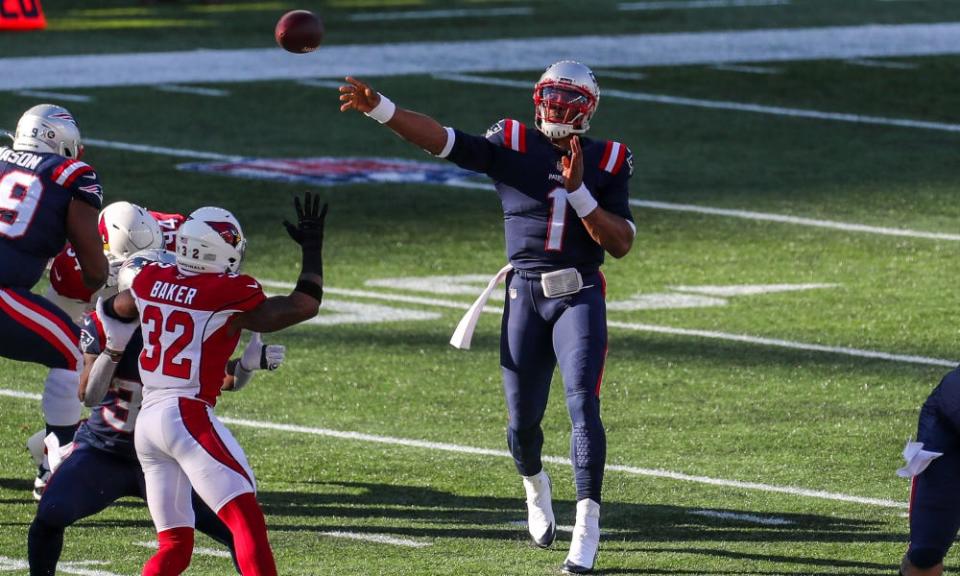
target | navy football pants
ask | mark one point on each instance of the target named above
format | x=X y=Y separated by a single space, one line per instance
x=537 y=334
x=88 y=481
x=33 y=329
x=935 y=498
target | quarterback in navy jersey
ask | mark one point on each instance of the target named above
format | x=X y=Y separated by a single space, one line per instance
x=47 y=196
x=102 y=466
x=565 y=202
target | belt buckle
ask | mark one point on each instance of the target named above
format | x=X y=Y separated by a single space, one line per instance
x=560 y=283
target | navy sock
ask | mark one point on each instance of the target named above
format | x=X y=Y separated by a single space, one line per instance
x=64 y=433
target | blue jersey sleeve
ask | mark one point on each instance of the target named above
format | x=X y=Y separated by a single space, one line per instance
x=91 y=334
x=86 y=188
x=614 y=195
x=486 y=154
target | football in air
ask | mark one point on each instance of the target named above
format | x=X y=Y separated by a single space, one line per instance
x=299 y=31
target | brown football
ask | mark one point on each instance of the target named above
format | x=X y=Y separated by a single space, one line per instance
x=299 y=31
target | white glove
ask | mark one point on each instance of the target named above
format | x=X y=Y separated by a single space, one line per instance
x=117 y=332
x=258 y=356
x=113 y=270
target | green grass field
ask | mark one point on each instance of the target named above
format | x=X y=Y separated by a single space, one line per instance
x=704 y=406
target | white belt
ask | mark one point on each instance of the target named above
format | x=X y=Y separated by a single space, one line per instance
x=464 y=332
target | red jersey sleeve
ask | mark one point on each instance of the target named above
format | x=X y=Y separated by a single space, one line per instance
x=169 y=224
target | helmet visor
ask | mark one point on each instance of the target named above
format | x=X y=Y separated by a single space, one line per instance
x=562 y=104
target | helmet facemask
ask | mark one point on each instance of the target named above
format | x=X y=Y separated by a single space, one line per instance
x=562 y=109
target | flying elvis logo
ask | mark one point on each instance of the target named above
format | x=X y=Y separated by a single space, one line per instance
x=331 y=171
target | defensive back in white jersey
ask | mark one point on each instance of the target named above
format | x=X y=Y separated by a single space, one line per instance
x=187 y=340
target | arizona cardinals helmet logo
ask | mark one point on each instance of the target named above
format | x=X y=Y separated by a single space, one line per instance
x=227 y=231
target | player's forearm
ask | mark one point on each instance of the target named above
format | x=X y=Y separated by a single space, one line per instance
x=87 y=244
x=278 y=312
x=610 y=231
x=419 y=129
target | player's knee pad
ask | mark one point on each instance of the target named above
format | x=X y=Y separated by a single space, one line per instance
x=588 y=445
x=61 y=407
x=925 y=558
x=55 y=514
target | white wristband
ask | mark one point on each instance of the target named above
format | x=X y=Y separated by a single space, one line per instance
x=384 y=111
x=582 y=201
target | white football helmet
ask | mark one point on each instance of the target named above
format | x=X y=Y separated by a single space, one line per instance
x=210 y=241
x=47 y=128
x=126 y=228
x=565 y=98
x=135 y=263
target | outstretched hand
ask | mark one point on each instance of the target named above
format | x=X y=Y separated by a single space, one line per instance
x=573 y=166
x=358 y=96
x=308 y=232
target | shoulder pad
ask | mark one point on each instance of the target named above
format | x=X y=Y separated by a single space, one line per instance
x=68 y=171
x=509 y=134
x=615 y=155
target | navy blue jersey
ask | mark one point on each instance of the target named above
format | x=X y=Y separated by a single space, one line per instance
x=542 y=231
x=110 y=426
x=35 y=191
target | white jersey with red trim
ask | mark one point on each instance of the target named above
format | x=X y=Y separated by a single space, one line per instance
x=186 y=334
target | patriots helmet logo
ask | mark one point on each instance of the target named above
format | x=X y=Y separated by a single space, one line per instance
x=64 y=116
x=227 y=231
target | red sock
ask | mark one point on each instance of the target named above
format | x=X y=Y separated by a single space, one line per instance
x=173 y=555
x=245 y=520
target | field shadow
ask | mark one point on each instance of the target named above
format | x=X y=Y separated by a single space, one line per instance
x=441 y=514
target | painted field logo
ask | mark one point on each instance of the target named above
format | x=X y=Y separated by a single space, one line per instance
x=330 y=171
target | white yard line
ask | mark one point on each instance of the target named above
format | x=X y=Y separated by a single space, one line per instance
x=784 y=219
x=779 y=343
x=657 y=329
x=564 y=461
x=160 y=150
x=881 y=64
x=601 y=74
x=198 y=550
x=751 y=518
x=727 y=105
x=55 y=96
x=377 y=538
x=496 y=55
x=193 y=90
x=746 y=69
x=698 y=4
x=437 y=14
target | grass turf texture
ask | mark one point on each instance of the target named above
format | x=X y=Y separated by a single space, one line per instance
x=706 y=407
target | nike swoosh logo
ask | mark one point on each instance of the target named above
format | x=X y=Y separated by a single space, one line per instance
x=57 y=274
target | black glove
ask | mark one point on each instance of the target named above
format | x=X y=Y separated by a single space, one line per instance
x=308 y=232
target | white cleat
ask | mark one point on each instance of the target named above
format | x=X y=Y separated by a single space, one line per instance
x=586 y=539
x=540 y=521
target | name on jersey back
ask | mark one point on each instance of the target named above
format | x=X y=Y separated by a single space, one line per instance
x=26 y=160
x=172 y=292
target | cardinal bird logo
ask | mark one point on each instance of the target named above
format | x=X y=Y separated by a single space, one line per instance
x=227 y=231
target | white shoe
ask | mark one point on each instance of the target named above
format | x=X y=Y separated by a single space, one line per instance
x=586 y=539
x=540 y=521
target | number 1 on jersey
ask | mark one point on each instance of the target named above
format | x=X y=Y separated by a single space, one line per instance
x=556 y=220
